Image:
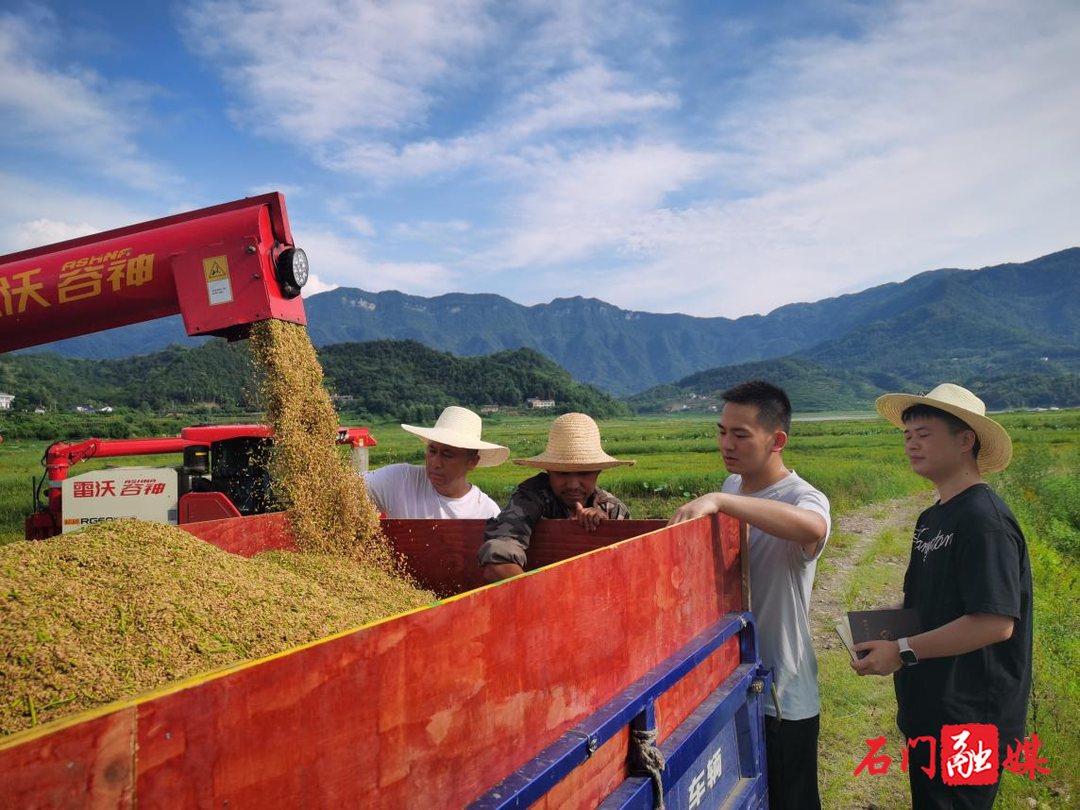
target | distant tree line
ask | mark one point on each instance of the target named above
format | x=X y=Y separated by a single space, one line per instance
x=400 y=380
x=409 y=382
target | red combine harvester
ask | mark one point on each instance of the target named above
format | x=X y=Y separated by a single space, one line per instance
x=223 y=475
x=620 y=670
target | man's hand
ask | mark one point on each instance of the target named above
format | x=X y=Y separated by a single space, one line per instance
x=705 y=505
x=590 y=518
x=884 y=658
x=499 y=571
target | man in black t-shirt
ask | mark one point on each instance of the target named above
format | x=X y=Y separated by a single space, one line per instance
x=969 y=578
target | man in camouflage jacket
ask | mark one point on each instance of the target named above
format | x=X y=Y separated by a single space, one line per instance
x=566 y=490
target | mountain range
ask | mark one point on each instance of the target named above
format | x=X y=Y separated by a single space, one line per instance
x=392 y=379
x=1006 y=322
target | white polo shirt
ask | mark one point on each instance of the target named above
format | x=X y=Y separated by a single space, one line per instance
x=404 y=491
x=781 y=578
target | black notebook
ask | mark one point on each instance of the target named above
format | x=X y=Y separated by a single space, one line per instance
x=876 y=625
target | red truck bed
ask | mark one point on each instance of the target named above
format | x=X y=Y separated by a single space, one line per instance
x=428 y=709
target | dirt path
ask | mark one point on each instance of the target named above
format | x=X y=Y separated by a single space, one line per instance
x=865 y=525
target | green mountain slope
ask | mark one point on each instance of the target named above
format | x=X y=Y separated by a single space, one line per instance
x=1012 y=333
x=810 y=387
x=410 y=381
x=395 y=379
x=993 y=320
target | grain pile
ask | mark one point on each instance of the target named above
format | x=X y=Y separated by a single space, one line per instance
x=124 y=607
x=327 y=502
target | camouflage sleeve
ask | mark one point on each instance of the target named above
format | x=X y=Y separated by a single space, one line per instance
x=507 y=536
x=612 y=506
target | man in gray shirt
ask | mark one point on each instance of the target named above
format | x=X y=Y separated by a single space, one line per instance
x=789 y=525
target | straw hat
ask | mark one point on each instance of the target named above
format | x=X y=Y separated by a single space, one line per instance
x=995 y=446
x=573 y=446
x=460 y=427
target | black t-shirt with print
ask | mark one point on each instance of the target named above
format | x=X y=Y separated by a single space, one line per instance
x=968 y=555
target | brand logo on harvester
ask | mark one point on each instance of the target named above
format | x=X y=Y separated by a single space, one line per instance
x=926 y=546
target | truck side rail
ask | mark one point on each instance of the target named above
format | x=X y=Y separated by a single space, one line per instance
x=635 y=707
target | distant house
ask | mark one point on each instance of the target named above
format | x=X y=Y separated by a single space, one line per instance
x=84 y=409
x=5 y=401
x=40 y=409
x=489 y=409
x=106 y=409
x=541 y=403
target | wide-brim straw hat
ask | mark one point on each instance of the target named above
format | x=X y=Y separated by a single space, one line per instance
x=460 y=427
x=573 y=446
x=995 y=444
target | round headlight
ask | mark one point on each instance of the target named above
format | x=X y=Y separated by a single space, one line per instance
x=292 y=271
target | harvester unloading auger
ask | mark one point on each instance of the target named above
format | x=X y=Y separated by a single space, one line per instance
x=620 y=671
x=222 y=269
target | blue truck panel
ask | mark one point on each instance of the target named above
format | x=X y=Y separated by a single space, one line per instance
x=715 y=758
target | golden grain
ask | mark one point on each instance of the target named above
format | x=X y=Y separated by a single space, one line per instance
x=124 y=607
x=328 y=506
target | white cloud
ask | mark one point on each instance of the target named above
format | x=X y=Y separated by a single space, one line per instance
x=592 y=200
x=342 y=262
x=552 y=147
x=320 y=70
x=945 y=135
x=363 y=78
x=316 y=285
x=359 y=223
x=40 y=232
x=429 y=231
x=592 y=97
x=72 y=114
x=34 y=214
x=288 y=189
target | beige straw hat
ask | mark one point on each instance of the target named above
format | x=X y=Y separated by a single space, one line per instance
x=460 y=427
x=995 y=446
x=573 y=446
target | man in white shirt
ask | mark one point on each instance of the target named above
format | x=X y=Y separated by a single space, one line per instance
x=789 y=525
x=439 y=489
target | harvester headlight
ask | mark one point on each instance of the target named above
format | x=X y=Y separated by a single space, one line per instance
x=292 y=271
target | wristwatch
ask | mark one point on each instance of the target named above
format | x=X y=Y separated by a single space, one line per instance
x=907 y=655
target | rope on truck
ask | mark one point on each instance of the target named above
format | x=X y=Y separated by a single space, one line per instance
x=650 y=759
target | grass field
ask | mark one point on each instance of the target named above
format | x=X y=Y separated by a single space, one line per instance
x=858 y=463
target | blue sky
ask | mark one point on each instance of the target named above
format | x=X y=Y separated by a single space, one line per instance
x=713 y=158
